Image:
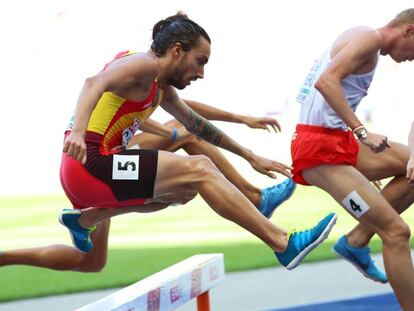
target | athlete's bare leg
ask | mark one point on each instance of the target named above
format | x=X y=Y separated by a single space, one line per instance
x=398 y=192
x=63 y=257
x=381 y=218
x=195 y=146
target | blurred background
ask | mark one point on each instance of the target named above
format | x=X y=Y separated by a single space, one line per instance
x=261 y=52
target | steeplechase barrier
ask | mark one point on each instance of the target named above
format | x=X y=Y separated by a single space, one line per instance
x=169 y=288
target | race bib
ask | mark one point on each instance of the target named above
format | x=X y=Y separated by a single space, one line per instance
x=125 y=167
x=355 y=204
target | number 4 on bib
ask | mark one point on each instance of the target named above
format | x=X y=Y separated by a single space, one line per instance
x=355 y=204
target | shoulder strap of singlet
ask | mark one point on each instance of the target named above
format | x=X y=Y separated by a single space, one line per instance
x=118 y=56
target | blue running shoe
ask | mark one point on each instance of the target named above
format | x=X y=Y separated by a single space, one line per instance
x=302 y=243
x=272 y=197
x=81 y=237
x=360 y=258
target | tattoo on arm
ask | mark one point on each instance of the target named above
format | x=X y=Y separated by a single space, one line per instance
x=204 y=129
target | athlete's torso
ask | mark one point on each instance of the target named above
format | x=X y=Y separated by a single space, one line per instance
x=315 y=109
x=116 y=118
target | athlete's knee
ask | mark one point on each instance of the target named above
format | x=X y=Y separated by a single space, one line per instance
x=195 y=169
x=188 y=195
x=397 y=231
x=203 y=166
x=95 y=264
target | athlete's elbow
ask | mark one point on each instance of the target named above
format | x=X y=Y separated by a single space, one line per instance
x=94 y=83
x=322 y=83
x=327 y=82
x=91 y=81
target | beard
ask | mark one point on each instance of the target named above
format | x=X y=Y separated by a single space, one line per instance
x=177 y=83
x=177 y=80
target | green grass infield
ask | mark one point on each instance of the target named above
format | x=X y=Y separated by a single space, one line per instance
x=142 y=244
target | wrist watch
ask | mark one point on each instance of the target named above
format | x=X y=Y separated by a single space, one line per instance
x=362 y=134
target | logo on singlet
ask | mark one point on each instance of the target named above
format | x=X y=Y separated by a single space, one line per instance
x=130 y=131
x=125 y=167
x=307 y=85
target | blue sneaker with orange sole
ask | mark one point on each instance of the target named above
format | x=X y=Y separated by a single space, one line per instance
x=301 y=243
x=273 y=196
x=81 y=237
x=360 y=258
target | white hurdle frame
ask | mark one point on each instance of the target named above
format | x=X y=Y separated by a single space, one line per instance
x=169 y=288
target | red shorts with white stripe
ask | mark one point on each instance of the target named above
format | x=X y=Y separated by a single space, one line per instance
x=312 y=146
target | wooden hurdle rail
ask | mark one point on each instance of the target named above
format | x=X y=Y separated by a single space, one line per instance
x=169 y=288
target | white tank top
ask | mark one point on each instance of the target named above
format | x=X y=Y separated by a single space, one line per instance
x=315 y=109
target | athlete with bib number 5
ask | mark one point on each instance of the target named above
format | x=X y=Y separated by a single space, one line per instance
x=103 y=181
x=326 y=154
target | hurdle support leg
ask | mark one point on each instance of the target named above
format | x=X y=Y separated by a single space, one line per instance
x=203 y=302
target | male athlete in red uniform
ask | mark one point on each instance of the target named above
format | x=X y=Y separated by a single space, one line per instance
x=102 y=180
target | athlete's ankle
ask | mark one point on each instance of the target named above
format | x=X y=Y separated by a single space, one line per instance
x=85 y=221
x=356 y=241
x=255 y=197
x=280 y=243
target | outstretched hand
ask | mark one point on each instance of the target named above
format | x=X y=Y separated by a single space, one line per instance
x=75 y=147
x=269 y=167
x=262 y=123
x=377 y=143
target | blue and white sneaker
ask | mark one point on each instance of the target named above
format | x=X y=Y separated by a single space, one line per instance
x=360 y=258
x=81 y=237
x=301 y=243
x=273 y=196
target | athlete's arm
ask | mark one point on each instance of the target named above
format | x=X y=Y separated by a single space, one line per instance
x=116 y=78
x=410 y=164
x=202 y=128
x=212 y=113
x=357 y=53
x=154 y=127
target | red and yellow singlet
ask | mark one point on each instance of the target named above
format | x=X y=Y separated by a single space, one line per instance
x=110 y=177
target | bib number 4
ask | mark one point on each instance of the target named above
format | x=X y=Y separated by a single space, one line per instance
x=355 y=207
x=355 y=204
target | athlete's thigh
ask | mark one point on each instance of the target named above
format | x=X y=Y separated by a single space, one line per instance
x=175 y=172
x=354 y=192
x=390 y=162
